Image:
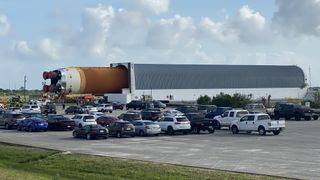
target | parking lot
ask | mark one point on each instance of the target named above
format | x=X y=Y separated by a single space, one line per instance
x=294 y=153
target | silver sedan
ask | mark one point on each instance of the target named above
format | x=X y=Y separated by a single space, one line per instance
x=145 y=127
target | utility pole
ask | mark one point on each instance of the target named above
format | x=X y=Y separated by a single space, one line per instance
x=24 y=87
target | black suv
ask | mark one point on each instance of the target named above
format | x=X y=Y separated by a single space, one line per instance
x=75 y=110
x=199 y=123
x=151 y=114
x=288 y=111
x=48 y=109
x=121 y=128
x=134 y=105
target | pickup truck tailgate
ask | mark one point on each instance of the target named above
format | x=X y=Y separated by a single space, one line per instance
x=278 y=124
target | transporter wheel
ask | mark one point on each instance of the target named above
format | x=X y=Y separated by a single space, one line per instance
x=234 y=129
x=261 y=131
x=170 y=130
x=277 y=132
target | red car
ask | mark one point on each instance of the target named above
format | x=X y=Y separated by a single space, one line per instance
x=106 y=120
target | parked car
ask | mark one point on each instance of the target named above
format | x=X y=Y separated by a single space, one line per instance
x=2 y=110
x=135 y=104
x=59 y=122
x=13 y=109
x=105 y=121
x=227 y=117
x=174 y=124
x=130 y=116
x=89 y=108
x=217 y=112
x=105 y=108
x=256 y=108
x=74 y=110
x=117 y=105
x=145 y=127
x=30 y=108
x=151 y=114
x=159 y=104
x=121 y=128
x=172 y=113
x=200 y=123
x=205 y=109
x=288 y=111
x=257 y=122
x=48 y=109
x=84 y=119
x=33 y=124
x=11 y=119
x=91 y=131
x=97 y=114
x=35 y=115
x=187 y=109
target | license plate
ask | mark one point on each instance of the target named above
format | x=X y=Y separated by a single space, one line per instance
x=68 y=126
x=101 y=131
x=128 y=129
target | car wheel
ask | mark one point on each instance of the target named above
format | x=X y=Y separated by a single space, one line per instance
x=217 y=125
x=235 y=130
x=141 y=133
x=110 y=111
x=211 y=131
x=315 y=117
x=170 y=130
x=88 y=136
x=75 y=134
x=262 y=131
x=7 y=126
x=119 y=135
x=277 y=132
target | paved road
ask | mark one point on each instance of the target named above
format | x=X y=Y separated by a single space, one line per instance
x=294 y=153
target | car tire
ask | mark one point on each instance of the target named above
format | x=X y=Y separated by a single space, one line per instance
x=262 y=131
x=88 y=136
x=75 y=134
x=141 y=133
x=7 y=126
x=211 y=131
x=118 y=134
x=234 y=130
x=277 y=132
x=315 y=117
x=170 y=130
x=217 y=125
x=110 y=111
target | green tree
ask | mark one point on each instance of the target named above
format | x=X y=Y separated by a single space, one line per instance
x=236 y=101
x=204 y=100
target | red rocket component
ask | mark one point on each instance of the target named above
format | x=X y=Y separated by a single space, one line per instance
x=45 y=88
x=49 y=75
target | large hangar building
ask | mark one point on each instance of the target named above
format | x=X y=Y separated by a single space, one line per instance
x=178 y=82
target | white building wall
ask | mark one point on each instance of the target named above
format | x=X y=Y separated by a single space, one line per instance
x=193 y=94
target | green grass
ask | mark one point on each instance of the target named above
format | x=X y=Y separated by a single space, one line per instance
x=18 y=162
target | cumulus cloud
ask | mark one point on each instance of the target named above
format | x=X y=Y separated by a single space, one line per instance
x=298 y=17
x=171 y=32
x=217 y=30
x=4 y=25
x=154 y=6
x=22 y=48
x=49 y=49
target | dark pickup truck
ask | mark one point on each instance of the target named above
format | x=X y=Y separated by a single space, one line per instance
x=199 y=123
x=288 y=111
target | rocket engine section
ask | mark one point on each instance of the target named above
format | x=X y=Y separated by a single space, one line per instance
x=87 y=80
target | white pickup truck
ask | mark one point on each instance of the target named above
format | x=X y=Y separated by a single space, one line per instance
x=257 y=122
x=227 y=117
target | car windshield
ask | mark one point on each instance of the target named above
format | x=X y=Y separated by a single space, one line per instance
x=149 y=123
x=182 y=119
x=34 y=106
x=264 y=117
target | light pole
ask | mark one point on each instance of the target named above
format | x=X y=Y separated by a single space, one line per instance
x=24 y=87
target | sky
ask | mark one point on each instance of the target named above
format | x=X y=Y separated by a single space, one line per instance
x=37 y=36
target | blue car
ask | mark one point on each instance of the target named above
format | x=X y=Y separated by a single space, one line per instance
x=33 y=124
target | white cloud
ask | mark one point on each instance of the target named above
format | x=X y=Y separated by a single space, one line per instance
x=22 y=48
x=295 y=17
x=217 y=30
x=167 y=33
x=49 y=49
x=4 y=25
x=154 y=6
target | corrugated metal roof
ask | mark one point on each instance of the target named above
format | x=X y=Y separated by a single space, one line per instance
x=171 y=76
